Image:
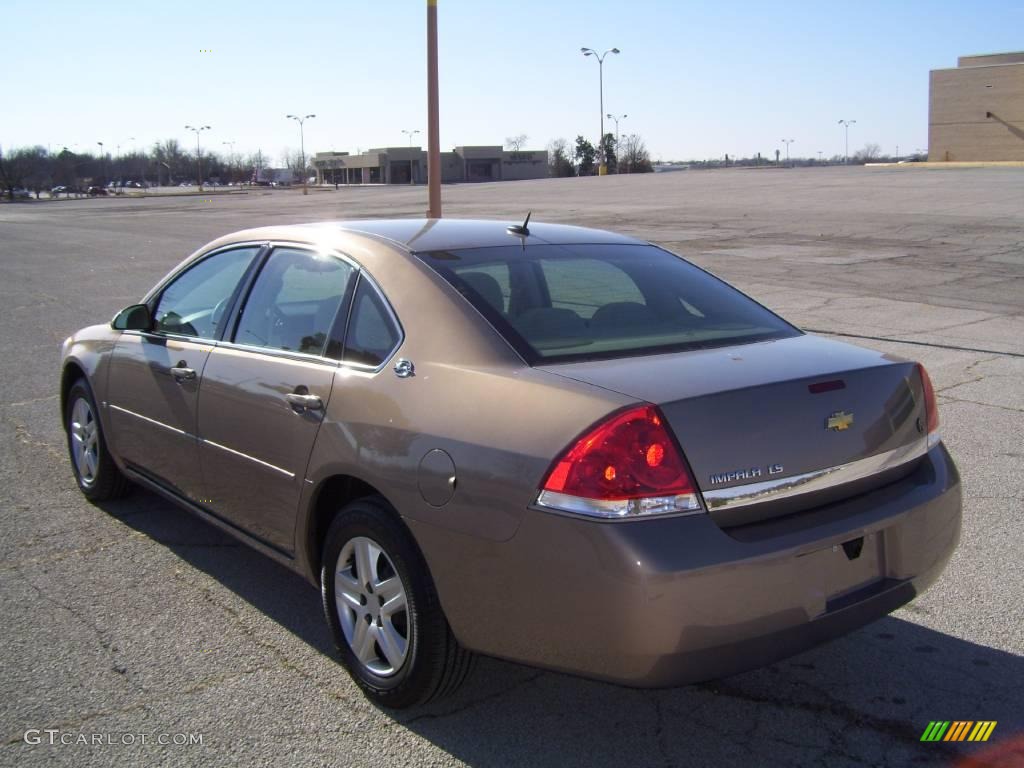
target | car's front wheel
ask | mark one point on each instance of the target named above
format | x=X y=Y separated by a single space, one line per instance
x=383 y=612
x=97 y=475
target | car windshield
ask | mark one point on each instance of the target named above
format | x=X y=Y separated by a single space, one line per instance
x=557 y=303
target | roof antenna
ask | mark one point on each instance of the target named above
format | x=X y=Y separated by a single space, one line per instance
x=520 y=229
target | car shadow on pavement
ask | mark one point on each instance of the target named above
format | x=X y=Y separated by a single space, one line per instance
x=862 y=699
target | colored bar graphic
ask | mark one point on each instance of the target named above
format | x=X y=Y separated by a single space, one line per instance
x=982 y=730
x=959 y=730
x=935 y=730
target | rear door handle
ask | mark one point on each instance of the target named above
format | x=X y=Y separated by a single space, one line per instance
x=181 y=371
x=304 y=402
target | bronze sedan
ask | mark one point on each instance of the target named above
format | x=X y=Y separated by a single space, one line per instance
x=555 y=445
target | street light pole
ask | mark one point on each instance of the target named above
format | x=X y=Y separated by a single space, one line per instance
x=103 y=162
x=787 y=142
x=602 y=169
x=616 y=118
x=302 y=145
x=410 y=135
x=199 y=154
x=231 y=157
x=846 y=124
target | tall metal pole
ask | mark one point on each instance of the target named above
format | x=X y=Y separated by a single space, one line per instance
x=199 y=154
x=602 y=169
x=302 y=148
x=602 y=166
x=846 y=124
x=433 y=117
x=616 y=118
x=231 y=157
x=103 y=162
x=410 y=134
x=787 y=142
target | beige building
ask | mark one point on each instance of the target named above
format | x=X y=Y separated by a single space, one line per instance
x=408 y=165
x=976 y=111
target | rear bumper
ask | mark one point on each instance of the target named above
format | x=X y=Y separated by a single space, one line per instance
x=666 y=602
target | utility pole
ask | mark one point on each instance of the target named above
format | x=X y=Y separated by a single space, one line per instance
x=787 y=142
x=433 y=117
x=602 y=169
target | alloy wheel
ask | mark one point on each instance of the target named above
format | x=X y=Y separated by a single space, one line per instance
x=372 y=606
x=84 y=441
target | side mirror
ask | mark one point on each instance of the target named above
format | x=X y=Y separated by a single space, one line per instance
x=134 y=318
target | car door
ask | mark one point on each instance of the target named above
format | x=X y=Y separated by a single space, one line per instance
x=263 y=395
x=154 y=376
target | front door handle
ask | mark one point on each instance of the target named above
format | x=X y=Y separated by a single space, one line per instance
x=182 y=372
x=301 y=401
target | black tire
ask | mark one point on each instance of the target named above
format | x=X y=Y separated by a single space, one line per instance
x=434 y=663
x=105 y=481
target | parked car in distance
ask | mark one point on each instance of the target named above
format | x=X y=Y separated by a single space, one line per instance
x=21 y=193
x=97 y=191
x=560 y=446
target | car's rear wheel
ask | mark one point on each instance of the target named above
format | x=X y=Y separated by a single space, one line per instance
x=97 y=475
x=383 y=612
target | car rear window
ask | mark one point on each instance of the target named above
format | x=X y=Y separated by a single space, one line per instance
x=562 y=303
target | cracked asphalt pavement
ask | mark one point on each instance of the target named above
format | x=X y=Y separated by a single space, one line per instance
x=135 y=619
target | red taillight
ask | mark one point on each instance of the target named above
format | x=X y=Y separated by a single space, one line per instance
x=628 y=465
x=931 y=408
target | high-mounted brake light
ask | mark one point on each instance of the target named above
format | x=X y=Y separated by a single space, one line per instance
x=931 y=408
x=627 y=466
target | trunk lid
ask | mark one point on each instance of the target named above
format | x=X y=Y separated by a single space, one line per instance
x=778 y=410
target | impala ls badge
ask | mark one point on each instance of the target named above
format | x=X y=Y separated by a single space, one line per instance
x=753 y=473
x=839 y=421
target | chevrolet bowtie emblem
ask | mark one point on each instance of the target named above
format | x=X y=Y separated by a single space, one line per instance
x=839 y=421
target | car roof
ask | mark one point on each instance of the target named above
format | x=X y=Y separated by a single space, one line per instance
x=417 y=235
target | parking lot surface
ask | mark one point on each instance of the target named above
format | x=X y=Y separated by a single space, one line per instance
x=135 y=619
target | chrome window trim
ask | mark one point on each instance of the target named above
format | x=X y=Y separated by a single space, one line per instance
x=360 y=274
x=303 y=357
x=817 y=480
x=157 y=290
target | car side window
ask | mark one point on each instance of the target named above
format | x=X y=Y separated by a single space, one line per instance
x=195 y=302
x=294 y=301
x=372 y=332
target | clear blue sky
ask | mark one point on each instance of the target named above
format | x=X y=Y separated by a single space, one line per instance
x=696 y=79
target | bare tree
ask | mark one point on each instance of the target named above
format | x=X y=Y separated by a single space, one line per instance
x=869 y=153
x=515 y=143
x=560 y=159
x=23 y=167
x=633 y=155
